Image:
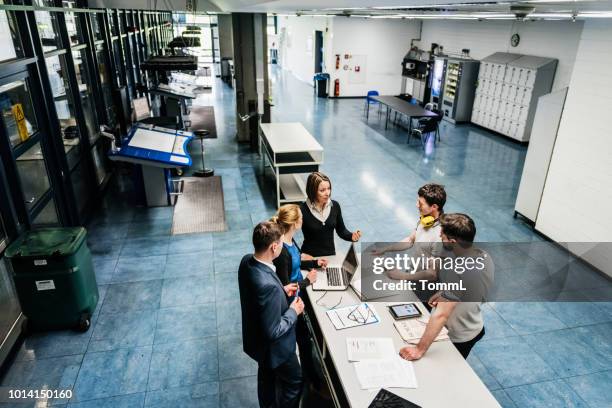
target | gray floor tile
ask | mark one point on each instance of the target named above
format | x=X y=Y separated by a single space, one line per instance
x=111 y=373
x=184 y=363
x=234 y=363
x=185 y=323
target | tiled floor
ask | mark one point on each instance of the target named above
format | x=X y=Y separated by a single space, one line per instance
x=167 y=329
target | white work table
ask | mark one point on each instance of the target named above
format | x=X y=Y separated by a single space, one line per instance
x=444 y=378
x=291 y=151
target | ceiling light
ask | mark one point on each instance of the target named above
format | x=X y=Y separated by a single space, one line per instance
x=550 y=15
x=595 y=14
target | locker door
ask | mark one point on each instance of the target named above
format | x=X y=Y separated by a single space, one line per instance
x=508 y=74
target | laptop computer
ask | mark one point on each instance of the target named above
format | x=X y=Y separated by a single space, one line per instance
x=336 y=277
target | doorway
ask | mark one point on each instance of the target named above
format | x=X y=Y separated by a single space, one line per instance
x=318 y=52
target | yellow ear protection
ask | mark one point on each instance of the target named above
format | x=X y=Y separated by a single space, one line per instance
x=428 y=221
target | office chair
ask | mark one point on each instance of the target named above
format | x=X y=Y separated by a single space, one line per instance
x=424 y=128
x=370 y=101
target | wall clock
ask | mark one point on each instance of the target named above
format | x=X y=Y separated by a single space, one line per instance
x=515 y=40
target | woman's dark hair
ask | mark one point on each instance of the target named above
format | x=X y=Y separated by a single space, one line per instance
x=313 y=182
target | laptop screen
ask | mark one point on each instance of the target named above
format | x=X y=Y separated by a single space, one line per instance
x=349 y=266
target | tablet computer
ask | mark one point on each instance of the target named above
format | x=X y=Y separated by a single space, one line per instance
x=404 y=311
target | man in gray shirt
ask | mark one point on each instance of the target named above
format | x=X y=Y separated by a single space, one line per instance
x=464 y=279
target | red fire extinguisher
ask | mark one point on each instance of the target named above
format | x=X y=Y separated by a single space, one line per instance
x=337 y=87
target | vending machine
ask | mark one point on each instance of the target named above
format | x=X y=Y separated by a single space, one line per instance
x=437 y=80
x=458 y=87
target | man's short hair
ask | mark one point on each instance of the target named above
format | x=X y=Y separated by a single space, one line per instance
x=433 y=194
x=459 y=227
x=264 y=234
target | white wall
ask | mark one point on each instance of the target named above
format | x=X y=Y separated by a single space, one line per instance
x=380 y=45
x=296 y=44
x=554 y=39
x=578 y=194
x=384 y=42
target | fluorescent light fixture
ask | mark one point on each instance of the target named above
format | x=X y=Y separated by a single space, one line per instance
x=551 y=1
x=550 y=15
x=595 y=14
x=470 y=16
x=343 y=8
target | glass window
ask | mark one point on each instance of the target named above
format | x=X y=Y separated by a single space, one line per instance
x=48 y=29
x=95 y=19
x=118 y=61
x=105 y=81
x=80 y=185
x=80 y=66
x=72 y=28
x=98 y=154
x=9 y=38
x=47 y=217
x=56 y=67
x=33 y=175
x=9 y=305
x=17 y=112
x=3 y=237
x=111 y=19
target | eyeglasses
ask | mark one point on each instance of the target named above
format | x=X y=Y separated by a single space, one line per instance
x=356 y=315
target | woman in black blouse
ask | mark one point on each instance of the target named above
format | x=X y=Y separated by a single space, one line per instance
x=321 y=216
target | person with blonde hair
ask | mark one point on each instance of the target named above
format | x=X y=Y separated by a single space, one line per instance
x=288 y=268
x=322 y=216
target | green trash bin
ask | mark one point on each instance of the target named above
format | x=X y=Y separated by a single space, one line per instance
x=54 y=278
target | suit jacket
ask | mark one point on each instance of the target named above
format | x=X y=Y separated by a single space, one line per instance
x=268 y=323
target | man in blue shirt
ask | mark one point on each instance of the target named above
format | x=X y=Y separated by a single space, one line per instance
x=268 y=321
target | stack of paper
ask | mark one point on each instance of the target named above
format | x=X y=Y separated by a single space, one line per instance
x=386 y=373
x=412 y=330
x=369 y=348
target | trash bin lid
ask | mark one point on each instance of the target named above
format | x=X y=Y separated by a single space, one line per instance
x=47 y=242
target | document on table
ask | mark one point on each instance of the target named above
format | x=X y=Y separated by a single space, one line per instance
x=369 y=348
x=387 y=373
x=411 y=330
x=351 y=316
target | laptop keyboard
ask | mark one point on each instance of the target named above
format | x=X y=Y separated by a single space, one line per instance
x=334 y=277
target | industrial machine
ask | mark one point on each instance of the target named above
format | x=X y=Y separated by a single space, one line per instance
x=416 y=67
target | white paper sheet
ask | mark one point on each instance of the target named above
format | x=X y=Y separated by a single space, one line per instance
x=412 y=330
x=153 y=140
x=351 y=316
x=387 y=373
x=369 y=348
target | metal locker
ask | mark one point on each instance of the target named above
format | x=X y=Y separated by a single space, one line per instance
x=475 y=116
x=511 y=92
x=501 y=72
x=495 y=106
x=508 y=75
x=504 y=91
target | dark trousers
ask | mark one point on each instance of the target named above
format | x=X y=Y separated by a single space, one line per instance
x=302 y=335
x=280 y=387
x=465 y=347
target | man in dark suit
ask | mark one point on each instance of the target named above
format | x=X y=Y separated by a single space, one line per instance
x=268 y=321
